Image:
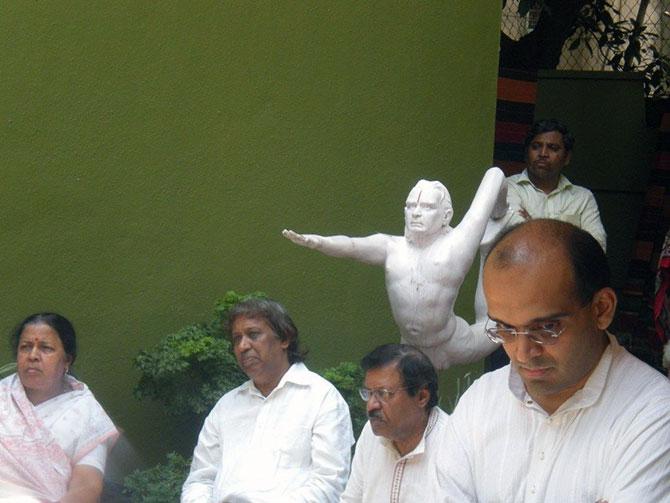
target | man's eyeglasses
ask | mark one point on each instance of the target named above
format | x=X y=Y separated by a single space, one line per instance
x=381 y=394
x=545 y=334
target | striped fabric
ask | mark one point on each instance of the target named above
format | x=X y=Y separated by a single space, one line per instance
x=634 y=317
x=515 y=108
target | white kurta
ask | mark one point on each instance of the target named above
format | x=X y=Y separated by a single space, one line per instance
x=380 y=475
x=610 y=441
x=293 y=445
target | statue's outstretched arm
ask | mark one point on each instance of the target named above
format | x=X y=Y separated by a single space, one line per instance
x=490 y=201
x=370 y=249
x=501 y=206
x=491 y=197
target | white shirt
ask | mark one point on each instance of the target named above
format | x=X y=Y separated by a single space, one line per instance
x=610 y=441
x=292 y=446
x=567 y=202
x=380 y=474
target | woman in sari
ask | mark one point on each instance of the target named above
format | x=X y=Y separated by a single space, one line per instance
x=54 y=435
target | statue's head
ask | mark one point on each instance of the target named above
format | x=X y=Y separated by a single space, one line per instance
x=428 y=210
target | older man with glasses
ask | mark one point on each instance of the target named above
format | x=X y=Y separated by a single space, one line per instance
x=396 y=452
x=574 y=417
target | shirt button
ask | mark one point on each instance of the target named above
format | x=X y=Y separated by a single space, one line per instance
x=542 y=456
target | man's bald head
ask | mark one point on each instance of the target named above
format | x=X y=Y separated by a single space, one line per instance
x=545 y=241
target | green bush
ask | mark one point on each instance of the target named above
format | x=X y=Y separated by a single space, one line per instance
x=160 y=484
x=347 y=377
x=190 y=370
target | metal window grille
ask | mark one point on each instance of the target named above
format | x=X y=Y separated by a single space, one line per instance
x=658 y=23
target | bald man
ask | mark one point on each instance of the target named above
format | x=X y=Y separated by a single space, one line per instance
x=574 y=417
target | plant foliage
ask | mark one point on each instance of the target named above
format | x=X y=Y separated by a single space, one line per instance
x=160 y=484
x=597 y=25
x=188 y=371
x=347 y=377
x=627 y=45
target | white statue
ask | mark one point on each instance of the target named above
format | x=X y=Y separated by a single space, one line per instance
x=426 y=267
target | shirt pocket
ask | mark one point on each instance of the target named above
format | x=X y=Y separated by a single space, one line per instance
x=295 y=447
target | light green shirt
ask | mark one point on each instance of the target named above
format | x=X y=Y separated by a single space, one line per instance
x=567 y=202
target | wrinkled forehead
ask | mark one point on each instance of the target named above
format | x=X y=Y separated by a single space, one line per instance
x=386 y=376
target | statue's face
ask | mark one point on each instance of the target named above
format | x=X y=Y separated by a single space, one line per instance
x=424 y=214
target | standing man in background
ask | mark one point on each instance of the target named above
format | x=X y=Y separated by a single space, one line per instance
x=542 y=191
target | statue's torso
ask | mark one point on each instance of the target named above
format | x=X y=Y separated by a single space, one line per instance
x=422 y=285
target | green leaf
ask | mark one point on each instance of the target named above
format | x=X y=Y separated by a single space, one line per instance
x=188 y=371
x=223 y=306
x=347 y=377
x=159 y=484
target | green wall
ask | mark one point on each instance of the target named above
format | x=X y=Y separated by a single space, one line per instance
x=153 y=151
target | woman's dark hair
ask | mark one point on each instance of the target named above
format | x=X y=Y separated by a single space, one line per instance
x=276 y=316
x=60 y=324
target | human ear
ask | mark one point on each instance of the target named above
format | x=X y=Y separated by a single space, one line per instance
x=423 y=396
x=604 y=306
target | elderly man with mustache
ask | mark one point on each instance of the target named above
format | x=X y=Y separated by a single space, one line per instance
x=398 y=446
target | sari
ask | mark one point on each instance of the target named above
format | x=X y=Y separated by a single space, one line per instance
x=40 y=459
